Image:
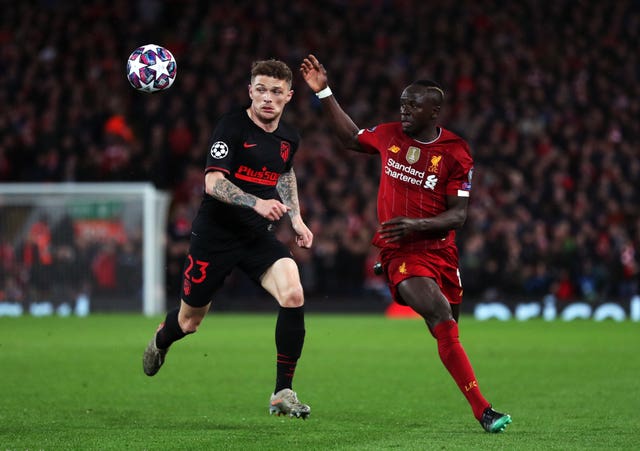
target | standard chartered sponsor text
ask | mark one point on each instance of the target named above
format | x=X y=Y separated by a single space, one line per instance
x=403 y=172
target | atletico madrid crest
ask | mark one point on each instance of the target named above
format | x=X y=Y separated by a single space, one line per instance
x=285 y=148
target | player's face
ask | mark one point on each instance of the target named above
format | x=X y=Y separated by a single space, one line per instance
x=269 y=96
x=417 y=110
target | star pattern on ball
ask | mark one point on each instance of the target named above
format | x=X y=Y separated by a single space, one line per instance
x=151 y=68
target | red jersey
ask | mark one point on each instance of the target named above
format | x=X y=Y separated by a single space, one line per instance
x=417 y=177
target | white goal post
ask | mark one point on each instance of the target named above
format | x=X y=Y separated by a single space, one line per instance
x=97 y=244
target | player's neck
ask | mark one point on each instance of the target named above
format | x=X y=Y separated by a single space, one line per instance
x=267 y=126
x=428 y=136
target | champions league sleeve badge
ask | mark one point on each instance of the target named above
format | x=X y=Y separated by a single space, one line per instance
x=219 y=150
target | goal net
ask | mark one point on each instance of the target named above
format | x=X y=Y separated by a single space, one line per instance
x=79 y=247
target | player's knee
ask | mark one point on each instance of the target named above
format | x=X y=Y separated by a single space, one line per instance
x=432 y=312
x=292 y=297
x=437 y=316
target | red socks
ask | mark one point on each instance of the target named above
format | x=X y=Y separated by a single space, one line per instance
x=457 y=363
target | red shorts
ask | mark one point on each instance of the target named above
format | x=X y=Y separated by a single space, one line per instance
x=440 y=265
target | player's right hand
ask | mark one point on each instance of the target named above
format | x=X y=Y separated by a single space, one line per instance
x=397 y=228
x=314 y=73
x=271 y=209
x=304 y=236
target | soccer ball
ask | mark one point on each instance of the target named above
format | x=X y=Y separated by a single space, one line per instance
x=151 y=68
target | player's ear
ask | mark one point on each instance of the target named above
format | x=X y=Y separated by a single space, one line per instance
x=289 y=95
x=250 y=91
x=435 y=111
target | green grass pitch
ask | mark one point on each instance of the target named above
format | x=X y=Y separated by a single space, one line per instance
x=373 y=384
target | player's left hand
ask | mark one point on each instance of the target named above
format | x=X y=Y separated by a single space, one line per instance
x=314 y=73
x=304 y=236
x=397 y=228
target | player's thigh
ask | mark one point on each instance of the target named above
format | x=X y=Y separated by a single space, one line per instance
x=204 y=273
x=271 y=265
x=424 y=296
x=260 y=255
x=423 y=293
x=282 y=281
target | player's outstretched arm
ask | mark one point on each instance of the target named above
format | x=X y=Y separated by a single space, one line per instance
x=288 y=190
x=315 y=75
x=217 y=186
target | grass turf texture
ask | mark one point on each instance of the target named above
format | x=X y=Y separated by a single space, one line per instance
x=373 y=383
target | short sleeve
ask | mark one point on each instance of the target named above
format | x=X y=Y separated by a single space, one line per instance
x=222 y=147
x=368 y=140
x=460 y=173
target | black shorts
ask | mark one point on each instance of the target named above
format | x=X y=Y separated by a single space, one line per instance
x=206 y=267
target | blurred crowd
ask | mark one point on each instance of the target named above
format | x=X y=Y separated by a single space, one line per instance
x=60 y=260
x=546 y=93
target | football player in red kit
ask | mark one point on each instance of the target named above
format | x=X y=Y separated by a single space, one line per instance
x=422 y=199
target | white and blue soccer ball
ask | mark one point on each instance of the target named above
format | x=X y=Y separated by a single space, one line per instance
x=151 y=68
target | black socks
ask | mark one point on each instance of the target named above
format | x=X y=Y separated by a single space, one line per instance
x=170 y=331
x=290 y=334
x=289 y=341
